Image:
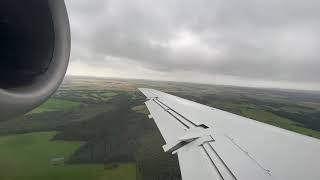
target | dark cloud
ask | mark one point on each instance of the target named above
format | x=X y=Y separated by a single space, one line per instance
x=254 y=40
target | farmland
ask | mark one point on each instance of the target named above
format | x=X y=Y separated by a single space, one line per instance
x=30 y=156
x=101 y=128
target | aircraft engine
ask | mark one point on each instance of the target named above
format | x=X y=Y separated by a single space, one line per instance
x=34 y=53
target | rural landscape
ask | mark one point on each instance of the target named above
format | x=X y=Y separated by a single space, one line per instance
x=94 y=128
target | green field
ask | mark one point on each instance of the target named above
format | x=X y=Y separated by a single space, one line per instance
x=30 y=156
x=55 y=105
x=109 y=94
x=270 y=118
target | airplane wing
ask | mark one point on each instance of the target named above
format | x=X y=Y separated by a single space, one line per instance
x=214 y=144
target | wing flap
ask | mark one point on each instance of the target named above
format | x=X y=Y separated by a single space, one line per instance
x=240 y=148
x=169 y=127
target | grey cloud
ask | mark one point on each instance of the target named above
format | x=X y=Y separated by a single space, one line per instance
x=251 y=39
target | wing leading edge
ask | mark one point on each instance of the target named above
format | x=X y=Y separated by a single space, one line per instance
x=214 y=144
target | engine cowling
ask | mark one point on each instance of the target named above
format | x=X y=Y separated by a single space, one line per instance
x=34 y=53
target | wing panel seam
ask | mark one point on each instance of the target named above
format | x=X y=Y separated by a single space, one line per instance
x=212 y=162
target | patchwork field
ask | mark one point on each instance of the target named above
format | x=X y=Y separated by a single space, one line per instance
x=98 y=128
x=34 y=156
x=56 y=105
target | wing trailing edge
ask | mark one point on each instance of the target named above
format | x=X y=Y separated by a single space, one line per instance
x=214 y=144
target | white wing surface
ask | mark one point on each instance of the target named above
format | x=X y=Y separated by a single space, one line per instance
x=214 y=144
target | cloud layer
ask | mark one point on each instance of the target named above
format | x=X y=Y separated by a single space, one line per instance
x=251 y=42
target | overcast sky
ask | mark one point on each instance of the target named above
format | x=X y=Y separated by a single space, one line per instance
x=264 y=43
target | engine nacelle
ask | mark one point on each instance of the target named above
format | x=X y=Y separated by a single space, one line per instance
x=34 y=53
